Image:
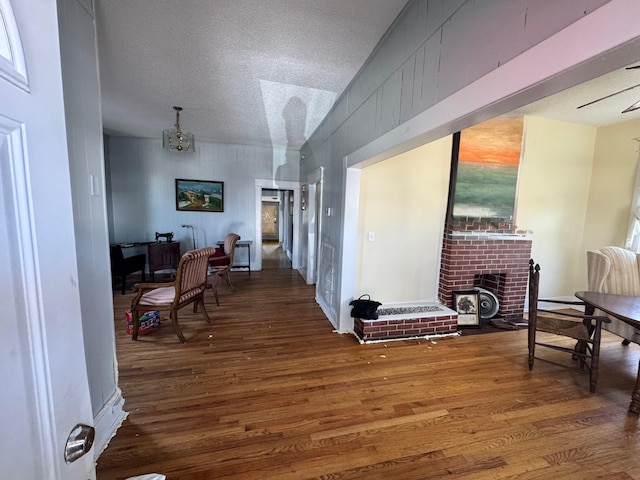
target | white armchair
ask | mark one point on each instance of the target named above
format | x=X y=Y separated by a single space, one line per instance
x=615 y=270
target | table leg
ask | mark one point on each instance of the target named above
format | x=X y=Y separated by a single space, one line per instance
x=634 y=407
x=581 y=347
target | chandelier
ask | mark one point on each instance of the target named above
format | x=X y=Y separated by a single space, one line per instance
x=176 y=139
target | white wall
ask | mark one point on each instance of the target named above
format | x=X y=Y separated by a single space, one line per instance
x=553 y=192
x=402 y=264
x=612 y=184
x=143 y=190
x=403 y=200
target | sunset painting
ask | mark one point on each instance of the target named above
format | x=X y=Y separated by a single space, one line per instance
x=487 y=175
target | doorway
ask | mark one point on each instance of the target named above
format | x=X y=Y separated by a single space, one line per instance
x=277 y=228
x=292 y=222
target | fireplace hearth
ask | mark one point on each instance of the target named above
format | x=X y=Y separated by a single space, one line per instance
x=407 y=320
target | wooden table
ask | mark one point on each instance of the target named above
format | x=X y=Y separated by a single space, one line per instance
x=624 y=308
x=240 y=243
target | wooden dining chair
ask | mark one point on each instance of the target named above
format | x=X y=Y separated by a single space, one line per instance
x=188 y=288
x=221 y=263
x=584 y=329
x=213 y=279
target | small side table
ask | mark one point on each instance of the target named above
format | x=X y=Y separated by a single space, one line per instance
x=240 y=243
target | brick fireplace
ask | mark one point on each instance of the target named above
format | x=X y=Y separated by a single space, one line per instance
x=486 y=255
x=474 y=254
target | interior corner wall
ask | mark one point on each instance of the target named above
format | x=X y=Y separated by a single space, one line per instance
x=553 y=193
x=403 y=202
x=612 y=185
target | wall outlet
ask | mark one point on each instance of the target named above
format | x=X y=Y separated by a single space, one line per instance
x=372 y=236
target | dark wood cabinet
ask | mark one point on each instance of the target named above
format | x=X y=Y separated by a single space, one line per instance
x=163 y=256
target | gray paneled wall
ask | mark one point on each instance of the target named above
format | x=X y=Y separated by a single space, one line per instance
x=435 y=48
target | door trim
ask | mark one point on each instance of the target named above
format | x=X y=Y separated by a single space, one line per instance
x=15 y=183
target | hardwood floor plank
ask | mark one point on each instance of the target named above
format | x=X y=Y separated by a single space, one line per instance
x=270 y=391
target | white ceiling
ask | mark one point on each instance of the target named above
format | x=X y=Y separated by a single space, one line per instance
x=611 y=94
x=249 y=71
x=245 y=71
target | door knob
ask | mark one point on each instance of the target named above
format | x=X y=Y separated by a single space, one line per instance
x=79 y=442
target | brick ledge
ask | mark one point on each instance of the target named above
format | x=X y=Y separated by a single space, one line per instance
x=409 y=325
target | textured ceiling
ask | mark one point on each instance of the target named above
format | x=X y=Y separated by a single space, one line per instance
x=266 y=72
x=252 y=72
x=602 y=100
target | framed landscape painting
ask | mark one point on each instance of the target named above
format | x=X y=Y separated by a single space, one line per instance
x=485 y=164
x=199 y=195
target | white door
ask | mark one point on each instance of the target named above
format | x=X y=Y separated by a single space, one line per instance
x=45 y=391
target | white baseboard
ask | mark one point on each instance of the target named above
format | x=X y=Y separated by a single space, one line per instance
x=327 y=311
x=107 y=422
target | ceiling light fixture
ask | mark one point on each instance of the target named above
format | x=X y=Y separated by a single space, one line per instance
x=176 y=139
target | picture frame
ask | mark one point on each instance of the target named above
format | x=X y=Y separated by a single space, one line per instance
x=465 y=302
x=199 y=195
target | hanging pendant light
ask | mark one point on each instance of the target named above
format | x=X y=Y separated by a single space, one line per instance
x=177 y=140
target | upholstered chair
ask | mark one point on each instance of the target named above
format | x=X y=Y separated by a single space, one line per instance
x=187 y=288
x=615 y=270
x=220 y=263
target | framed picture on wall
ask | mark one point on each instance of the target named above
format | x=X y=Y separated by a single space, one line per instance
x=199 y=195
x=484 y=169
x=465 y=302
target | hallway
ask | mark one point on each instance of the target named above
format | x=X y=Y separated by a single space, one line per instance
x=273 y=256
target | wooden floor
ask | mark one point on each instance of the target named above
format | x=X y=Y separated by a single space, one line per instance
x=269 y=391
x=273 y=256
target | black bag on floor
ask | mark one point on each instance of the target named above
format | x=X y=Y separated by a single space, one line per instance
x=365 y=308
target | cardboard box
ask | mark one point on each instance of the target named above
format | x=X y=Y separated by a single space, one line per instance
x=148 y=321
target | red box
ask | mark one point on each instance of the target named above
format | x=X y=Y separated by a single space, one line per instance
x=148 y=321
